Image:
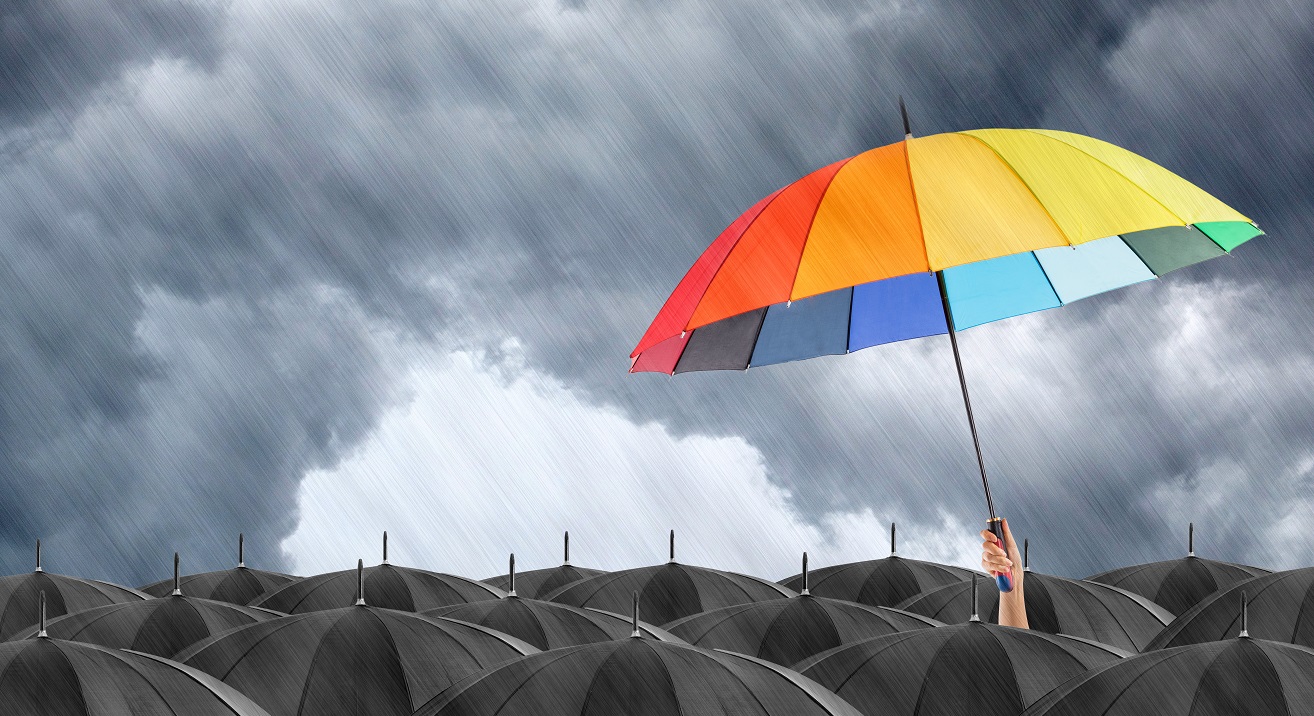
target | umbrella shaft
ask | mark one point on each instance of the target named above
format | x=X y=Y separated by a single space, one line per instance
x=967 y=400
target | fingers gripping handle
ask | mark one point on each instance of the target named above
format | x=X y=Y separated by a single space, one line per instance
x=1003 y=580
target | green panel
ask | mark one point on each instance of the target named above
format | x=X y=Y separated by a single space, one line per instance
x=1229 y=234
x=1172 y=247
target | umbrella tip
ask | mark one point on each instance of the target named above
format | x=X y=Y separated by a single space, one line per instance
x=511 y=574
x=385 y=546
x=360 y=582
x=976 y=617
x=893 y=551
x=672 y=560
x=805 y=591
x=566 y=541
x=903 y=111
x=38 y=555
x=1190 y=540
x=1026 y=555
x=636 y=634
x=177 y=586
x=1245 y=618
x=41 y=630
x=241 y=550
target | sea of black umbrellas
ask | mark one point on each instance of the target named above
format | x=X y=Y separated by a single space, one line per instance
x=893 y=635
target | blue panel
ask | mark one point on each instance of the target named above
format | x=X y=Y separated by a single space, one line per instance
x=810 y=327
x=987 y=291
x=896 y=309
x=1102 y=265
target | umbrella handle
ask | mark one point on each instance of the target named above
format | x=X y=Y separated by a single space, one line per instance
x=1003 y=580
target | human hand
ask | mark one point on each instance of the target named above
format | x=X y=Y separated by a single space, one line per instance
x=1004 y=558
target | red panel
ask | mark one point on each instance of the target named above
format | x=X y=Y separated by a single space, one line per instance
x=679 y=308
x=662 y=357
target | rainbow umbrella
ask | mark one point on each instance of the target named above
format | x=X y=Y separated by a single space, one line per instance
x=928 y=236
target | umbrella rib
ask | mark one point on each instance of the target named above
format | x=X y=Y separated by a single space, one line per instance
x=1026 y=186
x=1126 y=178
x=813 y=220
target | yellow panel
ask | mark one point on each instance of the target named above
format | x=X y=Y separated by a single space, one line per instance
x=972 y=206
x=865 y=229
x=1183 y=198
x=1084 y=196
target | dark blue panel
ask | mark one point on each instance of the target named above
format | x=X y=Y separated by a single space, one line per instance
x=807 y=328
x=896 y=309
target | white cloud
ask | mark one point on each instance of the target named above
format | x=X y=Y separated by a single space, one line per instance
x=486 y=460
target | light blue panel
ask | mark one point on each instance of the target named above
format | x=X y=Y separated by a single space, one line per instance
x=1101 y=265
x=807 y=328
x=896 y=309
x=1000 y=288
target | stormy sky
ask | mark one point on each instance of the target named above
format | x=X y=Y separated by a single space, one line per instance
x=313 y=270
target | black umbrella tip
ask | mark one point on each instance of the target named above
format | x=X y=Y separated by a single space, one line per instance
x=976 y=617
x=894 y=552
x=903 y=111
x=1026 y=555
x=1190 y=540
x=41 y=630
x=177 y=584
x=565 y=562
x=241 y=551
x=511 y=576
x=38 y=556
x=672 y=560
x=360 y=582
x=385 y=546
x=805 y=592
x=1245 y=618
x=636 y=634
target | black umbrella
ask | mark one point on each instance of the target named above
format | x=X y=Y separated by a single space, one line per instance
x=546 y=625
x=1179 y=584
x=1241 y=676
x=354 y=660
x=1282 y=607
x=881 y=582
x=636 y=676
x=162 y=627
x=53 y=677
x=20 y=595
x=538 y=583
x=239 y=585
x=668 y=592
x=973 y=668
x=403 y=588
x=787 y=631
x=1057 y=605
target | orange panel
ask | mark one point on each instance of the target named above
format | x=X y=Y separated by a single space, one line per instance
x=760 y=270
x=866 y=228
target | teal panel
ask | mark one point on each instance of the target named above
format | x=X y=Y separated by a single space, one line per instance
x=1076 y=272
x=999 y=288
x=1172 y=247
x=1229 y=234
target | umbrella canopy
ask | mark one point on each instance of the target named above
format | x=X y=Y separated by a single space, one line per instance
x=787 y=631
x=931 y=236
x=353 y=660
x=1178 y=584
x=239 y=585
x=1281 y=609
x=20 y=596
x=538 y=583
x=547 y=625
x=668 y=592
x=636 y=676
x=387 y=586
x=52 y=677
x=972 y=668
x=1237 y=677
x=1017 y=220
x=880 y=582
x=1056 y=605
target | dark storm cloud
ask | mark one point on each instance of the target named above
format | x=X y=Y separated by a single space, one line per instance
x=56 y=56
x=199 y=274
